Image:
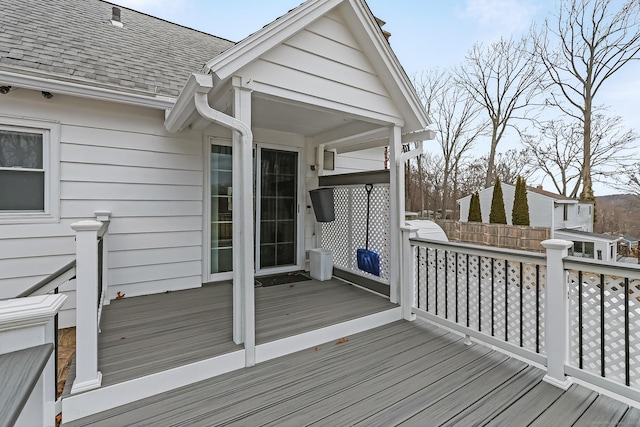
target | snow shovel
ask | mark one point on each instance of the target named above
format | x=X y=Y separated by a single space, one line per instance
x=368 y=261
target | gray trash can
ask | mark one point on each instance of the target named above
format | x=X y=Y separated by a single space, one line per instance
x=322 y=201
x=321 y=264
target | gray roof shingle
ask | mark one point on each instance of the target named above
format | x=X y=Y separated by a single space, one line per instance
x=74 y=40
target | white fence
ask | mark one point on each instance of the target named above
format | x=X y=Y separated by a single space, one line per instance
x=347 y=232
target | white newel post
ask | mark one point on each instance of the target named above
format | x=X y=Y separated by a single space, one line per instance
x=87 y=375
x=556 y=318
x=25 y=323
x=408 y=278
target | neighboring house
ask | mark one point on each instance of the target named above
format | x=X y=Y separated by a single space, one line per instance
x=545 y=208
x=627 y=244
x=602 y=247
x=567 y=218
x=104 y=108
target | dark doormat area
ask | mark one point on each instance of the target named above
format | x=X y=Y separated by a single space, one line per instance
x=281 y=279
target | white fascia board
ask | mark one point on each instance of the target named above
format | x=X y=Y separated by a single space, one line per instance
x=185 y=106
x=391 y=62
x=83 y=91
x=349 y=146
x=265 y=39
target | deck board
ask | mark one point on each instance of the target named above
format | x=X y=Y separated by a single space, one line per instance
x=528 y=407
x=144 y=335
x=605 y=411
x=404 y=372
x=500 y=399
x=566 y=410
x=631 y=418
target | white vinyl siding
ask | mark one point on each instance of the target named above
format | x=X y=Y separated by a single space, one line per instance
x=306 y=67
x=120 y=159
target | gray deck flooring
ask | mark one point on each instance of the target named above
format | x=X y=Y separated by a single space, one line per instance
x=404 y=373
x=148 y=334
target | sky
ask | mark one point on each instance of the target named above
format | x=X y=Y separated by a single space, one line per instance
x=424 y=34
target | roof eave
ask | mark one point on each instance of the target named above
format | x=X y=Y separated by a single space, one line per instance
x=84 y=91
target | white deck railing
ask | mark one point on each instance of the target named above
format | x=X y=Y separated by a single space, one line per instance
x=91 y=289
x=519 y=301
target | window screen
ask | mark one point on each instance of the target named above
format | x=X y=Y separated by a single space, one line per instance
x=22 y=174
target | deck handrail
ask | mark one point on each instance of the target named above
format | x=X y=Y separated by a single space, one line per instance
x=41 y=286
x=49 y=284
x=20 y=373
x=515 y=293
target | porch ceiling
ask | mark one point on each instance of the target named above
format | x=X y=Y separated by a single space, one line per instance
x=294 y=117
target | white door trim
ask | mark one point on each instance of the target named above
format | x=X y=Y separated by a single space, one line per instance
x=299 y=213
x=207 y=276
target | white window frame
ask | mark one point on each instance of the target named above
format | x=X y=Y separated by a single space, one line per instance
x=50 y=131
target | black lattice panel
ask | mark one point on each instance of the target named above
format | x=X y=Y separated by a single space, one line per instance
x=486 y=295
x=513 y=302
x=532 y=292
x=499 y=297
x=430 y=267
x=600 y=346
x=421 y=277
x=475 y=302
x=347 y=232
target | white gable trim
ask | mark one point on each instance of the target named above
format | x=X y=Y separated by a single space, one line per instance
x=260 y=42
x=253 y=47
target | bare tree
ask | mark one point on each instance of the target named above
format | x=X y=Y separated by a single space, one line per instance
x=508 y=166
x=558 y=151
x=430 y=183
x=455 y=115
x=594 y=40
x=630 y=182
x=504 y=79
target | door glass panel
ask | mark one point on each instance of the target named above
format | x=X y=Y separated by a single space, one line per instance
x=278 y=190
x=221 y=208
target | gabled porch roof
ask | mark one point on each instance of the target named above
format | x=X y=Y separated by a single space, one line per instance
x=324 y=68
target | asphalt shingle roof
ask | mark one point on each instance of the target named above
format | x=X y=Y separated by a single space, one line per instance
x=74 y=40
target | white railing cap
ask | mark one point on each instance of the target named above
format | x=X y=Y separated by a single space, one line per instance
x=103 y=216
x=29 y=311
x=556 y=244
x=86 y=225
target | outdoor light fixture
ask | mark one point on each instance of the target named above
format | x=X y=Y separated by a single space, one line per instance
x=5 y=89
x=47 y=95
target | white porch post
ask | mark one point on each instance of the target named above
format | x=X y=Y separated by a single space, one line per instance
x=243 y=257
x=556 y=319
x=87 y=375
x=397 y=212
